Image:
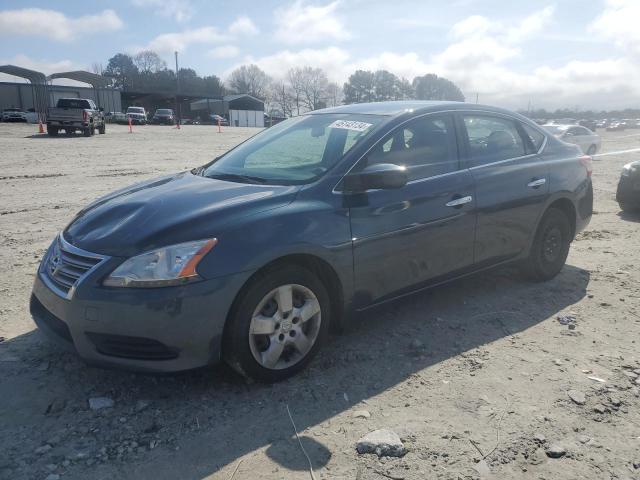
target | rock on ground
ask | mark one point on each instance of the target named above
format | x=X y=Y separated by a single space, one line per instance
x=384 y=443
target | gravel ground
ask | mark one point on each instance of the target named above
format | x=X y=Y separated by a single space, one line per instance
x=488 y=377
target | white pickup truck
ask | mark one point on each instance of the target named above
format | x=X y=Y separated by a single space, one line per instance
x=71 y=114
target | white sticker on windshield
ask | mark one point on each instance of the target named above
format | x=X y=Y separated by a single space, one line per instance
x=350 y=125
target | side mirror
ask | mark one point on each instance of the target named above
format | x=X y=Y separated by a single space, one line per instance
x=382 y=176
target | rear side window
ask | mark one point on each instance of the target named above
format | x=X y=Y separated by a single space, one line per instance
x=534 y=135
x=426 y=146
x=73 y=103
x=492 y=139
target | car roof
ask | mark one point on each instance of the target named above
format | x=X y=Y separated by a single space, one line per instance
x=396 y=108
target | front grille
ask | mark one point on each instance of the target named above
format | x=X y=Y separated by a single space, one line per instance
x=137 y=348
x=65 y=266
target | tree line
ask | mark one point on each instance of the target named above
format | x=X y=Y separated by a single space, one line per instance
x=301 y=89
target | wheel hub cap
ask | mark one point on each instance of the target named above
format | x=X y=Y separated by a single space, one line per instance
x=284 y=326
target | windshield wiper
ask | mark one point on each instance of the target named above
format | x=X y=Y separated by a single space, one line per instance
x=238 y=177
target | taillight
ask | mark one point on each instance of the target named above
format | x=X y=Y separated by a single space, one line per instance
x=85 y=116
x=586 y=161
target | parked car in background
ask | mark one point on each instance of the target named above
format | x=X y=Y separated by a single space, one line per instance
x=587 y=140
x=628 y=192
x=564 y=121
x=590 y=124
x=217 y=119
x=163 y=116
x=13 y=115
x=138 y=115
x=602 y=124
x=119 y=117
x=354 y=205
x=616 y=126
x=73 y=114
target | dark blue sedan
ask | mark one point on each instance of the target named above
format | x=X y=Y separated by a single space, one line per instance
x=253 y=257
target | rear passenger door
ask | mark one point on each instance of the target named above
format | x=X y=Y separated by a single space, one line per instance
x=422 y=232
x=511 y=182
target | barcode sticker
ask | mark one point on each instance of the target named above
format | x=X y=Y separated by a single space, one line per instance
x=350 y=125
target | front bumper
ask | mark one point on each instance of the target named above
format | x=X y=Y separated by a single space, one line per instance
x=628 y=192
x=155 y=330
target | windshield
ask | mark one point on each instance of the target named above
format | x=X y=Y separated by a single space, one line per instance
x=164 y=111
x=555 y=129
x=135 y=110
x=296 y=151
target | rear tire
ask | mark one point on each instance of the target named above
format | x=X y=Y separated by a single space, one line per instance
x=86 y=132
x=294 y=335
x=550 y=247
x=52 y=131
x=102 y=129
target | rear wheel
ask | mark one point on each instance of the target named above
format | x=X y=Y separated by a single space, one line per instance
x=102 y=129
x=87 y=132
x=277 y=324
x=52 y=131
x=550 y=246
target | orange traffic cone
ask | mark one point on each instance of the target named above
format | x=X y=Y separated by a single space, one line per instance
x=40 y=126
x=130 y=126
x=219 y=129
x=177 y=124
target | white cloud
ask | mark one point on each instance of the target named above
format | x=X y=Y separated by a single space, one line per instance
x=243 y=26
x=303 y=24
x=225 y=51
x=181 y=10
x=180 y=41
x=480 y=60
x=330 y=59
x=56 y=25
x=619 y=23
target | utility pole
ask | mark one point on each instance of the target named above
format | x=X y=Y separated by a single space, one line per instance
x=477 y=96
x=178 y=115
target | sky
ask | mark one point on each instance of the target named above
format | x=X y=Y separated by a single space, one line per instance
x=542 y=54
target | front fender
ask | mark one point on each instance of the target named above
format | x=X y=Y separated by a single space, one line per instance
x=313 y=228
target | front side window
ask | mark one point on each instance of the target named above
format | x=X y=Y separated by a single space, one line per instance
x=492 y=139
x=296 y=151
x=426 y=146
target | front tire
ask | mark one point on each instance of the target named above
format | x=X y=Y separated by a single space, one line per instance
x=277 y=324
x=102 y=129
x=550 y=246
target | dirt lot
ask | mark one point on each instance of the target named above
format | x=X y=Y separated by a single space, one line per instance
x=473 y=376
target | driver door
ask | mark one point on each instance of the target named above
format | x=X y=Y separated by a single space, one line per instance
x=423 y=232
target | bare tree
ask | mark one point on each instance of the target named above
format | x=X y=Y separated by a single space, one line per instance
x=314 y=88
x=296 y=82
x=149 y=61
x=282 y=98
x=96 y=67
x=251 y=80
x=335 y=95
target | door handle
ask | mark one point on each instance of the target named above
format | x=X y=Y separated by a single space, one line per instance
x=537 y=183
x=458 y=202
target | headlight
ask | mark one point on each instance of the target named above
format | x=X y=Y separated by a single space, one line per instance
x=629 y=168
x=172 y=265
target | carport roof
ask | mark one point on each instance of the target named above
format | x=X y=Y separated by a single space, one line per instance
x=82 y=76
x=31 y=75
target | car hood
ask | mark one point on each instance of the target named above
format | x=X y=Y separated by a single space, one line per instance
x=169 y=210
